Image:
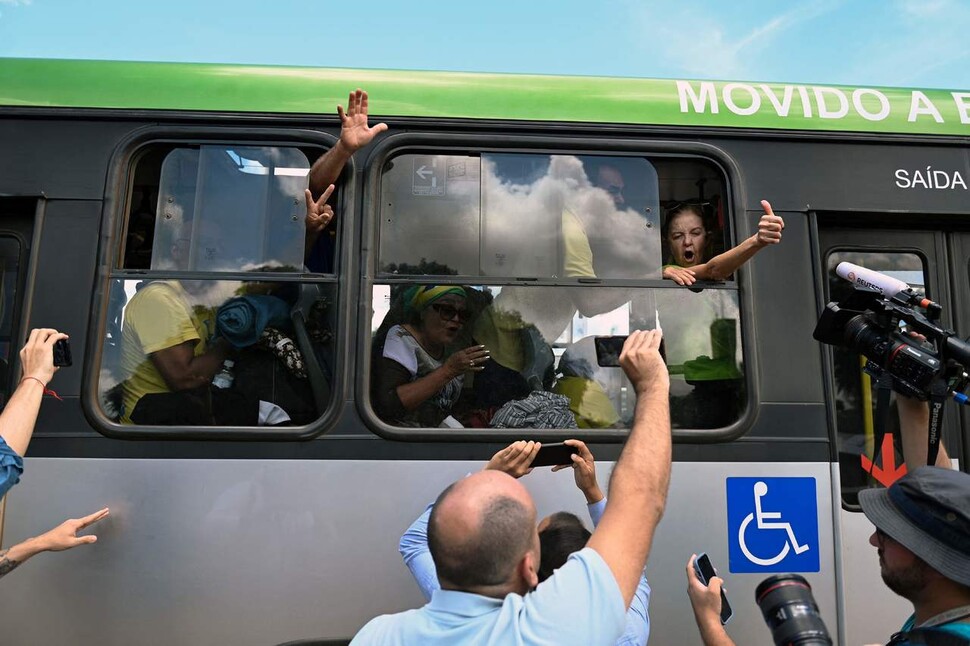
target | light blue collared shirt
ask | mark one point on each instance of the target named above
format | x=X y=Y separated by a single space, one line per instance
x=417 y=556
x=580 y=604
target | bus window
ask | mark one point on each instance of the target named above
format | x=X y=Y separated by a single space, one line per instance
x=520 y=216
x=855 y=397
x=222 y=208
x=10 y=250
x=533 y=347
x=194 y=351
x=277 y=336
x=556 y=221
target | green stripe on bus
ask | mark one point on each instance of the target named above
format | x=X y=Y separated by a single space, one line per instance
x=250 y=88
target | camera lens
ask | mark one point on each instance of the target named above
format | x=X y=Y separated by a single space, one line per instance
x=913 y=368
x=790 y=611
x=867 y=339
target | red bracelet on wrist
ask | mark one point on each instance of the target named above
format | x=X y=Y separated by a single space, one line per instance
x=47 y=391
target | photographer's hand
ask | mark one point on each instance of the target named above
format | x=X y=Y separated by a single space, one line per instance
x=37 y=355
x=706 y=603
x=914 y=422
x=20 y=413
x=515 y=459
x=584 y=471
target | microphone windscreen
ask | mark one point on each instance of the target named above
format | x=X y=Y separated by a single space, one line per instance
x=870 y=279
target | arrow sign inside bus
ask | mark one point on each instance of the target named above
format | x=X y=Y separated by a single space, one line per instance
x=429 y=176
x=888 y=473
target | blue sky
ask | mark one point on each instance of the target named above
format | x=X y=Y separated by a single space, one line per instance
x=915 y=43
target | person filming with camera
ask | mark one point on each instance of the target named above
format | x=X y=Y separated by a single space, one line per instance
x=922 y=536
x=922 y=521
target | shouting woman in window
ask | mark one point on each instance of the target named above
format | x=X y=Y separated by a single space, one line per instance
x=686 y=237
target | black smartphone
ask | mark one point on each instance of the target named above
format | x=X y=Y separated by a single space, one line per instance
x=608 y=350
x=705 y=572
x=62 y=353
x=551 y=455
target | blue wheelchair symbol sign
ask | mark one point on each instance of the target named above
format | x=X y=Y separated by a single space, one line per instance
x=772 y=525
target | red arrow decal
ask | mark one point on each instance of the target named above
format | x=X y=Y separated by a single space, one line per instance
x=889 y=472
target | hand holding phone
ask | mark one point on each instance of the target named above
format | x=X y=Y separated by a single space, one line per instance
x=608 y=349
x=705 y=571
x=550 y=455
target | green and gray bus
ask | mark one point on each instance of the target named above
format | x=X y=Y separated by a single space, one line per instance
x=265 y=534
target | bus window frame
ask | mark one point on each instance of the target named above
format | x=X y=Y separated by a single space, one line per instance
x=450 y=143
x=114 y=221
x=828 y=352
x=17 y=320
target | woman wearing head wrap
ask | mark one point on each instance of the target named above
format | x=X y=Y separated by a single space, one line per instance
x=414 y=383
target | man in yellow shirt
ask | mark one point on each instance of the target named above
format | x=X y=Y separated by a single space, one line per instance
x=166 y=348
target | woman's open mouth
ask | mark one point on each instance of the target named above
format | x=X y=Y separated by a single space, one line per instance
x=689 y=255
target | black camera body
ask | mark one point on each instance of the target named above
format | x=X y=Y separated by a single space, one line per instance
x=870 y=324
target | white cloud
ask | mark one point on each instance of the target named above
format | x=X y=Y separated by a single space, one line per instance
x=702 y=45
x=15 y=3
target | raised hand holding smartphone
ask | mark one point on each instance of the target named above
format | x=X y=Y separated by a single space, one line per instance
x=705 y=571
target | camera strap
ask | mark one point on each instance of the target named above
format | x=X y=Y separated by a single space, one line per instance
x=884 y=389
x=938 y=391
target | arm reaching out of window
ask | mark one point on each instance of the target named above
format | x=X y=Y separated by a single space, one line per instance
x=318 y=216
x=355 y=133
x=719 y=267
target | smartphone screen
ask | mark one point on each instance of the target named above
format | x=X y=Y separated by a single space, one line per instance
x=550 y=455
x=705 y=572
x=62 y=353
x=608 y=350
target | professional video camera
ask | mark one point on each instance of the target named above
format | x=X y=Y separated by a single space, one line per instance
x=868 y=321
x=872 y=322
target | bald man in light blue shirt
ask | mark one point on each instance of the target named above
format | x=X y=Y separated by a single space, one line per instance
x=485 y=545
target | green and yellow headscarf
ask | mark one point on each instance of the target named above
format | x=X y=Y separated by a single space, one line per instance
x=418 y=297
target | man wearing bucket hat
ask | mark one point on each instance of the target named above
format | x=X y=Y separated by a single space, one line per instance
x=923 y=537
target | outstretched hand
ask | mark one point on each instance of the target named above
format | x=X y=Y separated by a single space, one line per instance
x=354 y=131
x=64 y=536
x=515 y=459
x=318 y=212
x=584 y=471
x=770 y=226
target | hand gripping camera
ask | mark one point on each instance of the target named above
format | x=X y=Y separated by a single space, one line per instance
x=872 y=320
